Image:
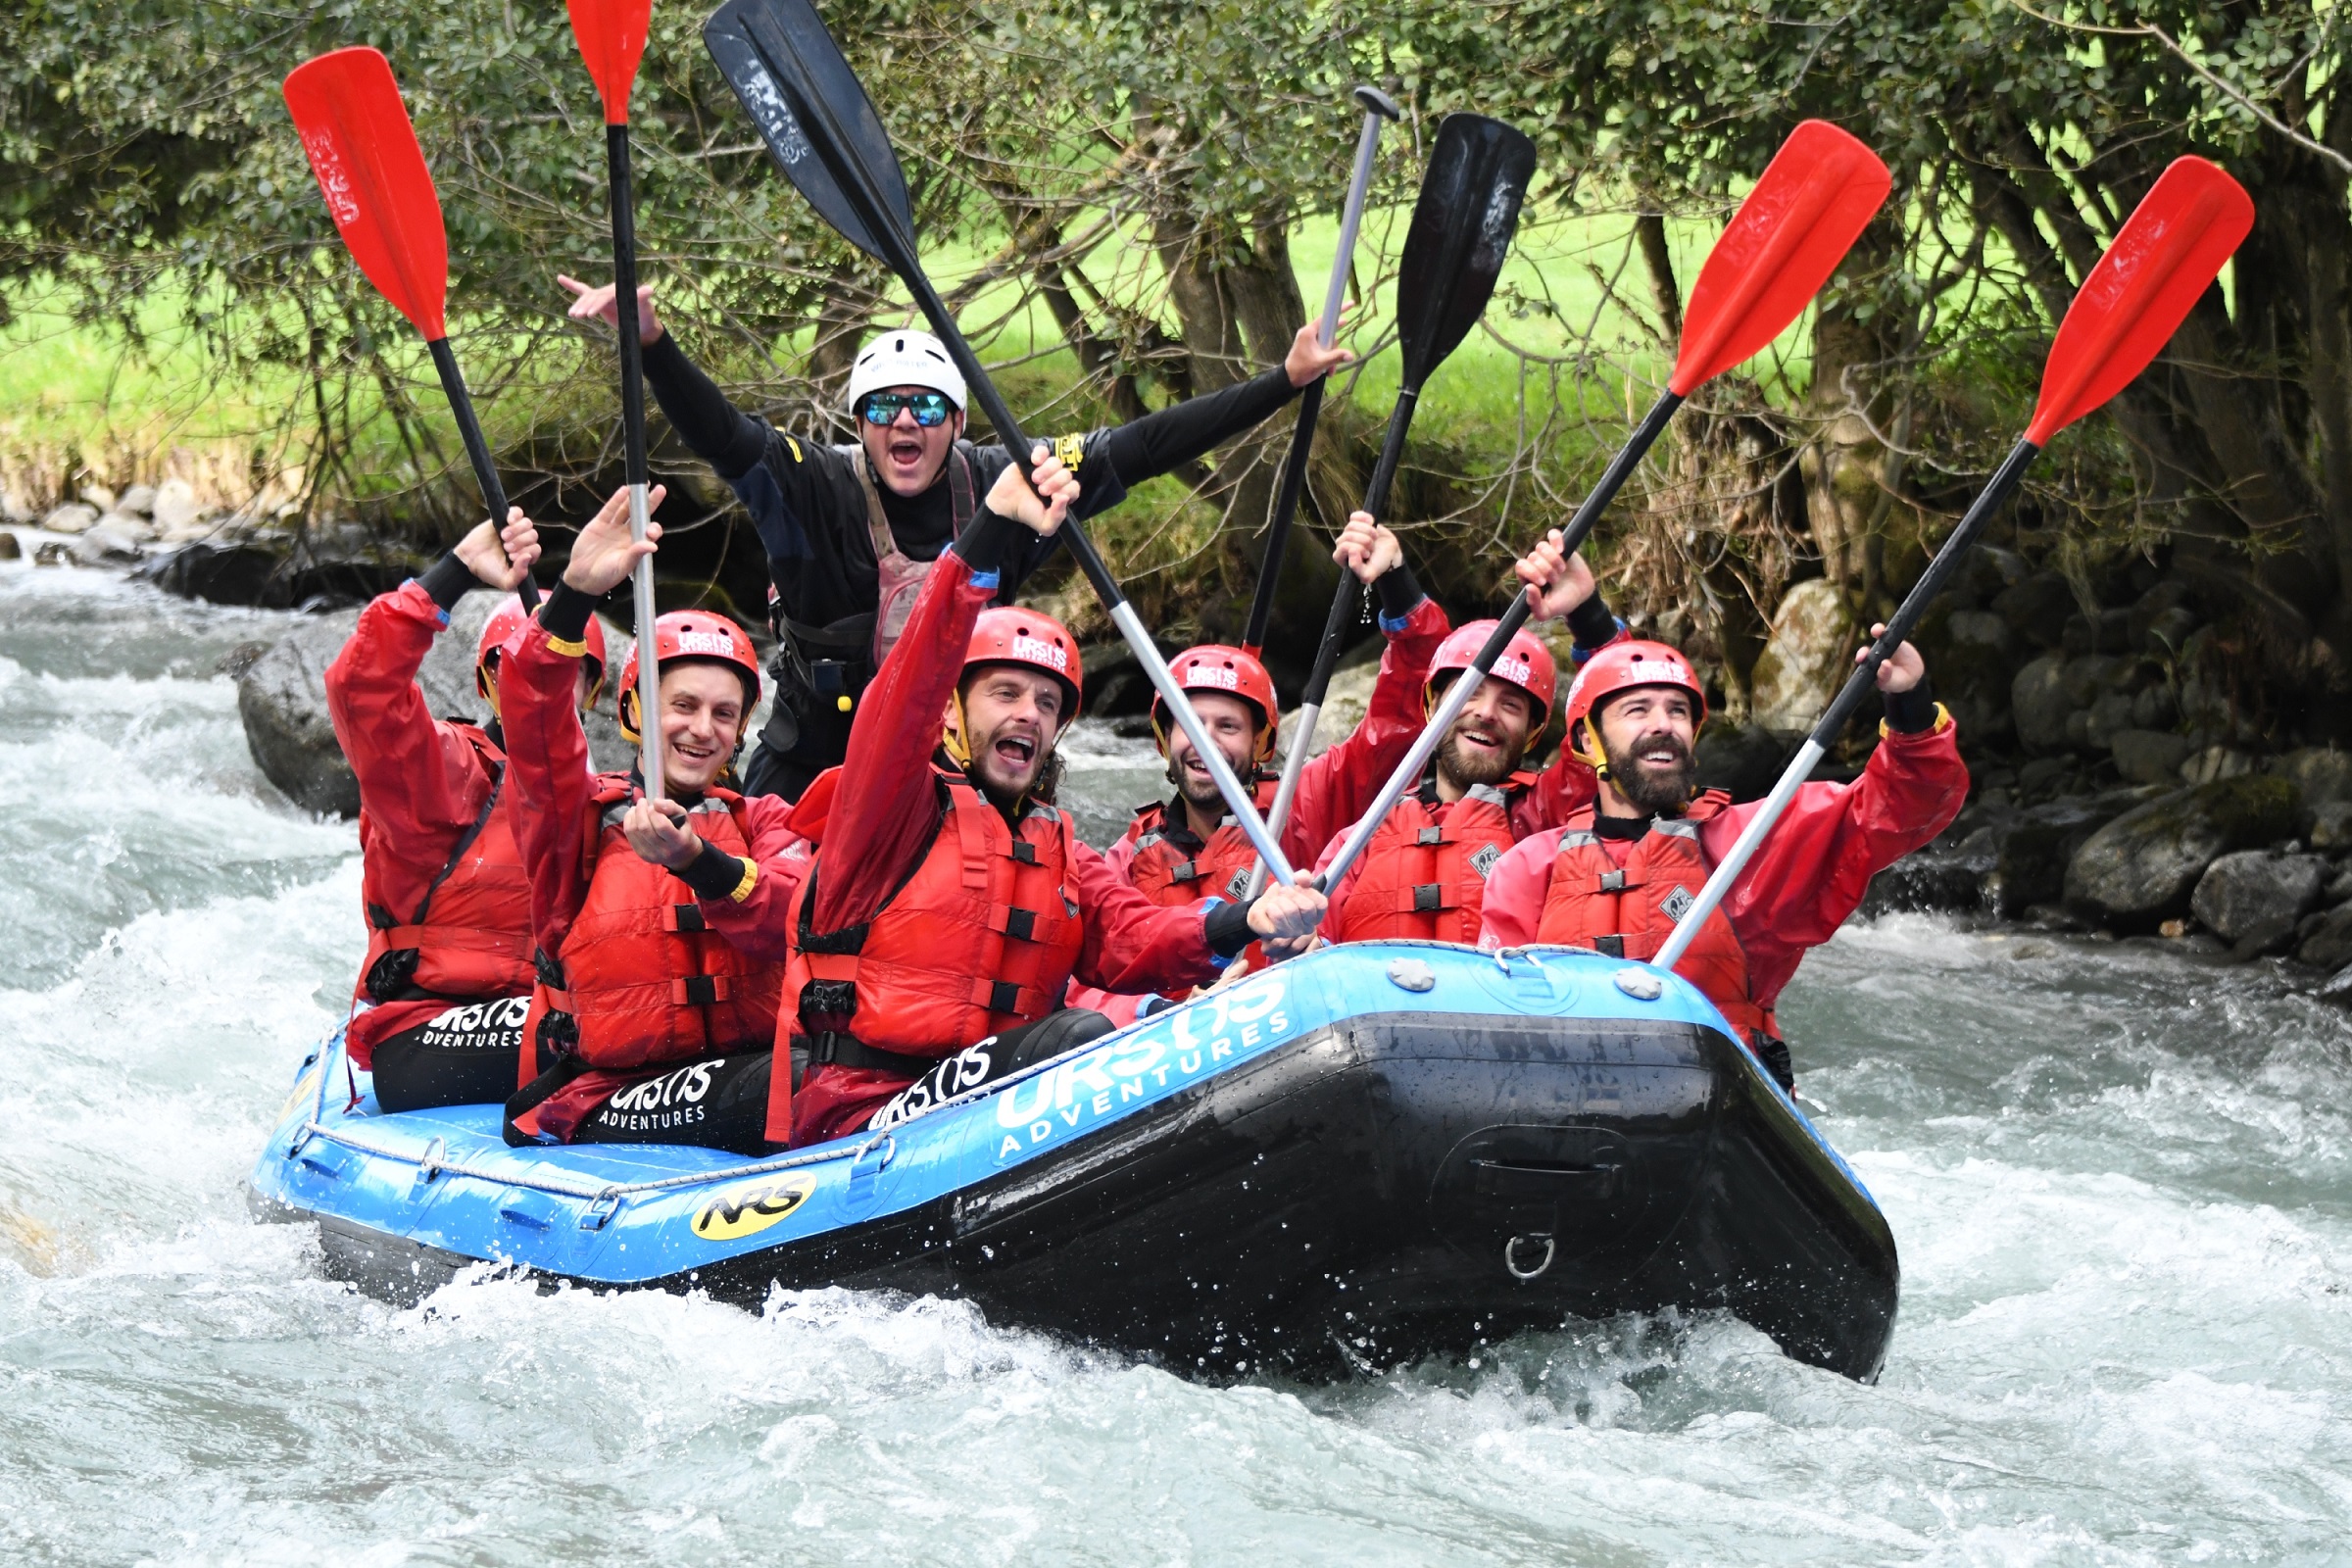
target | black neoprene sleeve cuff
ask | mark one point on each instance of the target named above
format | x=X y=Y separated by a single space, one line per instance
x=1177 y=434
x=1227 y=929
x=1399 y=591
x=712 y=873
x=1591 y=623
x=447 y=580
x=714 y=429
x=987 y=541
x=1909 y=712
x=564 y=614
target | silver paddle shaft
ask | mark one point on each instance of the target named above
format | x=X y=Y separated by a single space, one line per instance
x=648 y=676
x=1407 y=772
x=1752 y=837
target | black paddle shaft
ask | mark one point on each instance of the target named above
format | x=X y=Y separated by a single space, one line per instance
x=1343 y=598
x=1286 y=507
x=477 y=450
x=1994 y=495
x=624 y=304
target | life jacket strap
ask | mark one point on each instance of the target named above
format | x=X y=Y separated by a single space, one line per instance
x=831 y=1048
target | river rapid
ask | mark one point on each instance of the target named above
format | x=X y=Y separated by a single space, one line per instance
x=2122 y=1183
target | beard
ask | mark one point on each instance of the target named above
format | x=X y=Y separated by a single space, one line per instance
x=1043 y=777
x=1467 y=767
x=1201 y=794
x=1651 y=789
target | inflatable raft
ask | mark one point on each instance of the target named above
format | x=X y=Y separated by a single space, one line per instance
x=1375 y=1152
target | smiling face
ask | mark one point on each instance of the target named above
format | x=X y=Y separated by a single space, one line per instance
x=1646 y=734
x=906 y=456
x=1011 y=716
x=702 y=718
x=1232 y=724
x=1487 y=740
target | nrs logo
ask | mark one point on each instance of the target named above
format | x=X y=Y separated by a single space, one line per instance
x=748 y=1211
x=1038 y=650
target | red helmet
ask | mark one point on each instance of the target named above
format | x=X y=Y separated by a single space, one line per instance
x=1525 y=663
x=504 y=627
x=691 y=636
x=1216 y=667
x=1009 y=634
x=1620 y=667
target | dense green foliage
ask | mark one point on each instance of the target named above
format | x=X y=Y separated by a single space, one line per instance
x=1141 y=170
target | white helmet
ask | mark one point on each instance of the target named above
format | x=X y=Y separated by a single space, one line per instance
x=905 y=358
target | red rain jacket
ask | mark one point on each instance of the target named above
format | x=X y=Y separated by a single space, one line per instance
x=552 y=796
x=423 y=784
x=1808 y=876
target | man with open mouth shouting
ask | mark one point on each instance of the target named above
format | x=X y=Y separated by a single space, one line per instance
x=951 y=903
x=851 y=530
x=1621 y=870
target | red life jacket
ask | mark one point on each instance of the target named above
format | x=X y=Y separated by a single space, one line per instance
x=1627 y=912
x=1425 y=868
x=639 y=978
x=469 y=937
x=980 y=939
x=1168 y=874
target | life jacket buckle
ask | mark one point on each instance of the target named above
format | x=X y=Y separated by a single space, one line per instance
x=1430 y=835
x=1613 y=882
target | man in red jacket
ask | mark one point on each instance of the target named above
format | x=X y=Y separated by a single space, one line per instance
x=658 y=924
x=441 y=994
x=1189 y=848
x=1620 y=872
x=951 y=903
x=1423 y=874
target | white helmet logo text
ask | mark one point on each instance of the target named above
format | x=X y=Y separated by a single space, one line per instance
x=1038 y=650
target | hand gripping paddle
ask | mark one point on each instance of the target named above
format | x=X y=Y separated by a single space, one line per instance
x=2166 y=254
x=361 y=146
x=1812 y=203
x=821 y=130
x=1462 y=225
x=1376 y=106
x=612 y=39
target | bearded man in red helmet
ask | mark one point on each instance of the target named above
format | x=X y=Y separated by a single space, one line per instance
x=1622 y=869
x=658 y=924
x=440 y=999
x=1423 y=872
x=951 y=903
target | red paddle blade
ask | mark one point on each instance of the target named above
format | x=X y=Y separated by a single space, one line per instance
x=1787 y=237
x=612 y=38
x=2166 y=254
x=372 y=173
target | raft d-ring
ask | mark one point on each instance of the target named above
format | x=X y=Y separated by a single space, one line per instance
x=600 y=1209
x=1510 y=1256
x=429 y=1163
x=889 y=1145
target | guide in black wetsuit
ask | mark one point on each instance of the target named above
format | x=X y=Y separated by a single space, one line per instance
x=850 y=529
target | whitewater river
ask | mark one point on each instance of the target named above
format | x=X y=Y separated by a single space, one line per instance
x=2120 y=1181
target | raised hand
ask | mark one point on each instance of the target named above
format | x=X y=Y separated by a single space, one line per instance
x=593 y=303
x=656 y=830
x=501 y=557
x=1309 y=359
x=604 y=555
x=1367 y=549
x=1902 y=670
x=1013 y=496
x=1556 y=582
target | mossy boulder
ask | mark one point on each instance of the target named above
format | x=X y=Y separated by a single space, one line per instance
x=2144 y=866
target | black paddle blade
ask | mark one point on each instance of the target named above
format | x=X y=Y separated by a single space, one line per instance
x=1461 y=231
x=764 y=46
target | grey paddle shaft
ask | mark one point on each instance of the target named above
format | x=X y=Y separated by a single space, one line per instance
x=828 y=139
x=632 y=446
x=2004 y=483
x=1377 y=107
x=1457 y=695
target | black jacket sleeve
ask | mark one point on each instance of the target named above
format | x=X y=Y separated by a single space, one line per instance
x=712 y=429
x=1145 y=448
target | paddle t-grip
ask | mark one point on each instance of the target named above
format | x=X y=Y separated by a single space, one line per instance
x=477 y=450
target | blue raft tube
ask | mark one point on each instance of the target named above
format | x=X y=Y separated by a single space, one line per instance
x=1371 y=1154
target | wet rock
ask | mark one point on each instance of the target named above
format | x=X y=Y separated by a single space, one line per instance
x=126 y=523
x=1981 y=628
x=72 y=517
x=100 y=496
x=2036 y=609
x=2331 y=829
x=2031 y=849
x=1345 y=702
x=138 y=501
x=2142 y=867
x=10 y=549
x=2254 y=899
x=2327 y=942
x=2216 y=762
x=238 y=660
x=2150 y=756
x=1805 y=658
x=2154 y=707
x=1117 y=686
x=53 y=553
x=105 y=542
x=1744 y=759
x=175 y=508
x=223 y=574
x=2167 y=633
x=281 y=697
x=2038 y=705
x=1946 y=876
x=2107 y=719
x=2320 y=773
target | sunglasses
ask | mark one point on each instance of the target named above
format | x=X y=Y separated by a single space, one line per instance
x=930 y=409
